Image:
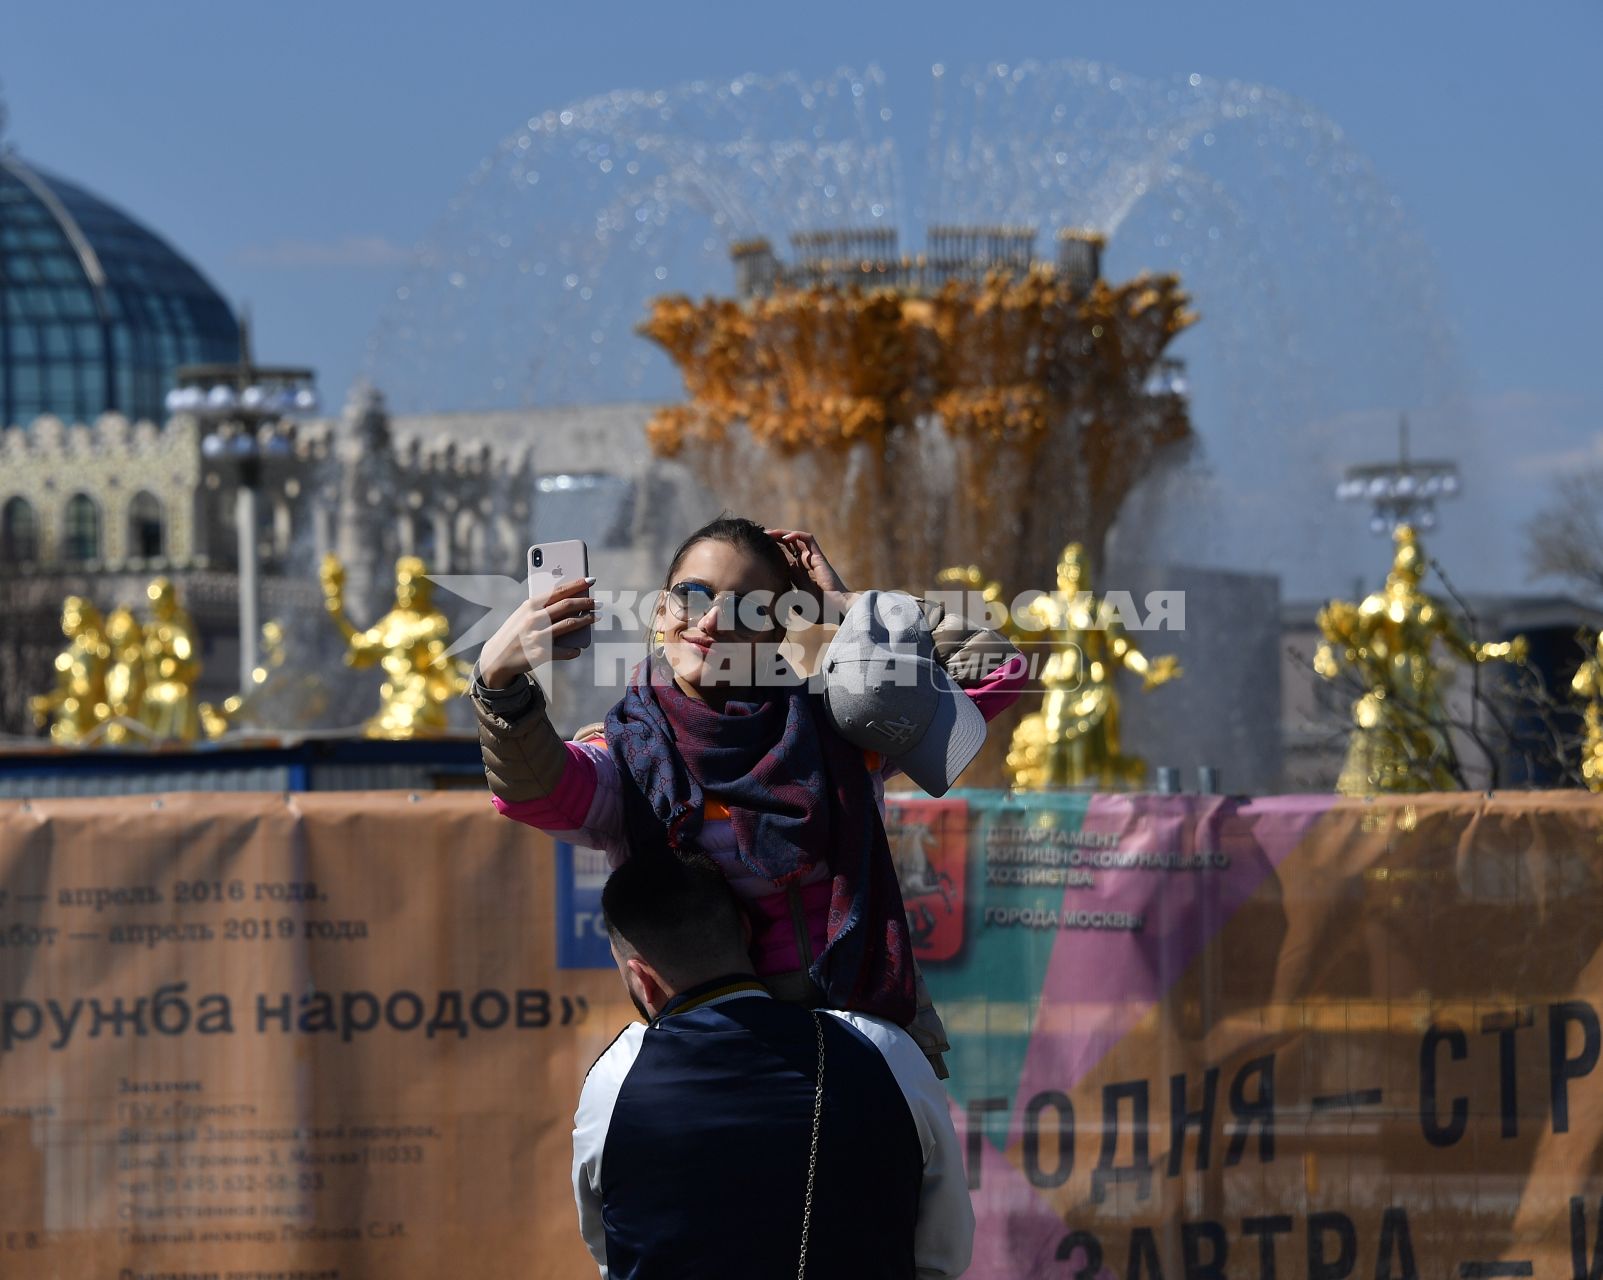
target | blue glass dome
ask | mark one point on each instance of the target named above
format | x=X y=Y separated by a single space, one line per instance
x=96 y=311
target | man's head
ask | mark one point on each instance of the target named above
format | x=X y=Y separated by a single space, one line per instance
x=673 y=924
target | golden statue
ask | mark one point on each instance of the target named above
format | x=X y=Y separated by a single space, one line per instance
x=1400 y=741
x=125 y=678
x=1588 y=684
x=409 y=642
x=73 y=707
x=1073 y=740
x=172 y=666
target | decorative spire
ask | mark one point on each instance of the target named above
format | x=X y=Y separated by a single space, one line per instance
x=365 y=419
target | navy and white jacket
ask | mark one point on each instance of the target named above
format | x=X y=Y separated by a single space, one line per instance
x=691 y=1141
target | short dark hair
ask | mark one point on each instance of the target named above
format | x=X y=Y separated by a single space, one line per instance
x=677 y=914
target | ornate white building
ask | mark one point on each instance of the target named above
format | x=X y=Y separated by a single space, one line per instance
x=98 y=509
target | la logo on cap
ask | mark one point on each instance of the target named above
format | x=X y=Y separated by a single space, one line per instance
x=898 y=732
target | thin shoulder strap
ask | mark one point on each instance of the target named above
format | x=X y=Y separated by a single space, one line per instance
x=812 y=1156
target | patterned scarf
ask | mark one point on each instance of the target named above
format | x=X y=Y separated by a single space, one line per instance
x=798 y=795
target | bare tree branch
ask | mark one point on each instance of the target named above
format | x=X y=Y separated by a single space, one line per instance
x=1530 y=724
x=1566 y=540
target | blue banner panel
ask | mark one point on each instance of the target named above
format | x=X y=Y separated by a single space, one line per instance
x=581 y=935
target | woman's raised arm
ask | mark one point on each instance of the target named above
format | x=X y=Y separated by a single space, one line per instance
x=982 y=661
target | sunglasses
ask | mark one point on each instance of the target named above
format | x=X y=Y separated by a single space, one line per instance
x=748 y=615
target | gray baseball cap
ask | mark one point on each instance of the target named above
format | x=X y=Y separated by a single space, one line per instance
x=885 y=691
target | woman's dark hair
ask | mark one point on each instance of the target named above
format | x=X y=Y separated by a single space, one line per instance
x=744 y=535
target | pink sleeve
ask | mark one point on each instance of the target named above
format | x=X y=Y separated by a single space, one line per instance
x=1001 y=688
x=583 y=809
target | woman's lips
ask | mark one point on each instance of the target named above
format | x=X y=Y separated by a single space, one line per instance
x=700 y=646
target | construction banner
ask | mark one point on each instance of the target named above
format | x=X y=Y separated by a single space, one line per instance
x=287 y=1036
x=1199 y=1037
x=342 y=1035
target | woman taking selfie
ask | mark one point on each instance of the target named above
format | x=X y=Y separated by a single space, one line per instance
x=716 y=749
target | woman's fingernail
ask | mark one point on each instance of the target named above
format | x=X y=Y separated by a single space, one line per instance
x=590 y=582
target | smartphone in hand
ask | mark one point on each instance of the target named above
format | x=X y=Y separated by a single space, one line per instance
x=553 y=563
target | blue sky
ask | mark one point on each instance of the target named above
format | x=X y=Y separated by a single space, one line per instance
x=297 y=151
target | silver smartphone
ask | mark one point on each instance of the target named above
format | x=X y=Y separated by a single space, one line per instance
x=553 y=563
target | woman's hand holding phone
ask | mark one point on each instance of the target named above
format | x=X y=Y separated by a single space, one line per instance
x=534 y=634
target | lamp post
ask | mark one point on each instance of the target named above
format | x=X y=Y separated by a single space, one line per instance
x=234 y=403
x=1401 y=492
